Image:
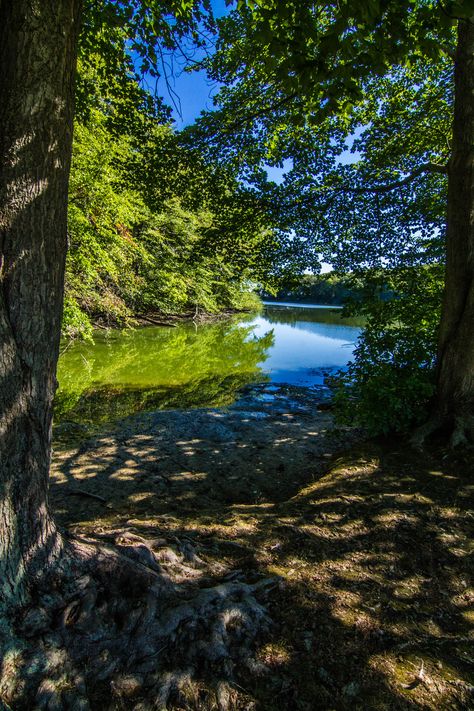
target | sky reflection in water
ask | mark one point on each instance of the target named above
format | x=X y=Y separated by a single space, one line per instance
x=306 y=341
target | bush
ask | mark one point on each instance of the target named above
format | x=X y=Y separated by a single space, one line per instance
x=389 y=384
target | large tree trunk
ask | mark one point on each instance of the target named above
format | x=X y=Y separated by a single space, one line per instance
x=37 y=65
x=456 y=342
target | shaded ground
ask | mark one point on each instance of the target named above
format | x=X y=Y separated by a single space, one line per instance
x=373 y=606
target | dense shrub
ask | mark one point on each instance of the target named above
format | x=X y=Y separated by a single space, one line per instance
x=388 y=385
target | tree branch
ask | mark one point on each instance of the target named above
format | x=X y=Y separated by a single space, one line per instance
x=424 y=168
x=245 y=119
x=377 y=189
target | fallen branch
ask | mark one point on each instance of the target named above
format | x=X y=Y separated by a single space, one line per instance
x=155 y=322
x=82 y=492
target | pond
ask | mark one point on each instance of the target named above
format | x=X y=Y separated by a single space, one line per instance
x=144 y=369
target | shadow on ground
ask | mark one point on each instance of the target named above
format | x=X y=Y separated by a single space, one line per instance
x=371 y=551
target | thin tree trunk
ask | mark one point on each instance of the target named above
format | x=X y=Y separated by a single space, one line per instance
x=37 y=65
x=456 y=341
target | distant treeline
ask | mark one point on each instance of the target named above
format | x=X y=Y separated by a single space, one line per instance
x=325 y=289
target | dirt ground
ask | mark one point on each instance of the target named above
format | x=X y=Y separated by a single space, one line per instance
x=369 y=543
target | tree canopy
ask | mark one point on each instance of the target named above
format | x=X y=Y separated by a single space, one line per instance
x=356 y=102
x=153 y=225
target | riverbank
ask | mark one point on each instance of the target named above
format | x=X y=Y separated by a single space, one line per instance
x=162 y=318
x=368 y=544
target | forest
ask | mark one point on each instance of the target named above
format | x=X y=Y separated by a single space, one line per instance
x=152 y=225
x=236 y=355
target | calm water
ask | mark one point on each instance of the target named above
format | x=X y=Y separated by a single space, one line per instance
x=309 y=341
x=160 y=367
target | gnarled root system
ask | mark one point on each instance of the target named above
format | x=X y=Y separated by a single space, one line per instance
x=135 y=626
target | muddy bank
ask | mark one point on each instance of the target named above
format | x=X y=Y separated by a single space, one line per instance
x=160 y=318
x=263 y=448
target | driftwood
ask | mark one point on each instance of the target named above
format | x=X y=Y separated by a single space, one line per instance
x=156 y=322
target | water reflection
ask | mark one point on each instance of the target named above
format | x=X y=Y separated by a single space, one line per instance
x=149 y=368
x=188 y=366
x=309 y=342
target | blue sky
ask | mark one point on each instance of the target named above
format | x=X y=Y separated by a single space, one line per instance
x=192 y=93
x=194 y=90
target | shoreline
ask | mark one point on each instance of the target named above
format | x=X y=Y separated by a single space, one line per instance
x=227 y=442
x=160 y=318
x=302 y=304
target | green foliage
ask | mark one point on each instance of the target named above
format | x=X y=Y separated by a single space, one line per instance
x=344 y=197
x=153 y=225
x=75 y=322
x=102 y=253
x=136 y=247
x=358 y=99
x=329 y=288
x=389 y=384
x=139 y=29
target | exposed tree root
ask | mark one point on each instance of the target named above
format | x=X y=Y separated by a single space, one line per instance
x=132 y=629
x=422 y=433
x=463 y=432
x=458 y=431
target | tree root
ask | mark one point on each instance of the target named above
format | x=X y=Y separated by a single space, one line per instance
x=463 y=432
x=421 y=434
x=131 y=628
x=460 y=429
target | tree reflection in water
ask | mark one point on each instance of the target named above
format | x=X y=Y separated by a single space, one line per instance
x=155 y=368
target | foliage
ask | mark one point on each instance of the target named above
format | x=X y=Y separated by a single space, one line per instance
x=138 y=33
x=329 y=288
x=342 y=197
x=392 y=378
x=152 y=227
x=356 y=101
x=102 y=251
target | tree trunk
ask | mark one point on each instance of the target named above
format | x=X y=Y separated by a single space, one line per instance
x=455 y=387
x=37 y=63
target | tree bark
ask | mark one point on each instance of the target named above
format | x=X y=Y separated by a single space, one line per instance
x=455 y=385
x=38 y=41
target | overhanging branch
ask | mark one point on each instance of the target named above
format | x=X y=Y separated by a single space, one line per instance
x=334 y=191
x=388 y=187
